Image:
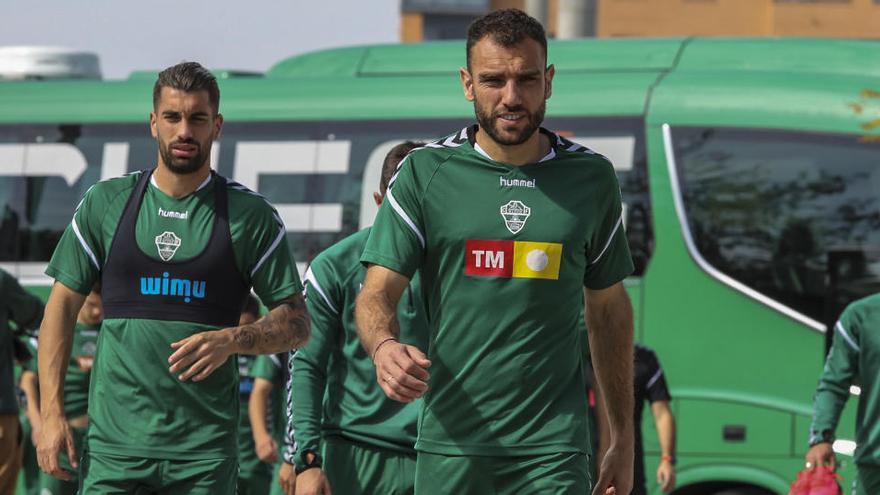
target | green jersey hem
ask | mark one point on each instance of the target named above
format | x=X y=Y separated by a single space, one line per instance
x=522 y=449
x=99 y=447
x=281 y=293
x=377 y=258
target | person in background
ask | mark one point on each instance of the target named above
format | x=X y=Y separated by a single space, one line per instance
x=344 y=434
x=649 y=386
x=21 y=310
x=254 y=476
x=852 y=360
x=266 y=410
x=76 y=390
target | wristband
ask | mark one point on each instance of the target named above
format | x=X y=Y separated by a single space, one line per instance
x=306 y=465
x=389 y=339
x=668 y=458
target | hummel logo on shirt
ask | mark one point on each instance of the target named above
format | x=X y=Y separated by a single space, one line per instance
x=530 y=183
x=516 y=259
x=173 y=214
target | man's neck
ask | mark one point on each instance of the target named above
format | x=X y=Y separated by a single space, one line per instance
x=179 y=185
x=531 y=151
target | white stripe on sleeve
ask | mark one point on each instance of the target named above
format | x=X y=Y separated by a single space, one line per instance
x=313 y=282
x=275 y=243
x=85 y=245
x=849 y=340
x=405 y=217
x=610 y=238
x=654 y=379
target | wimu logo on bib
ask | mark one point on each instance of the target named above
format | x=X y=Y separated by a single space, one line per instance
x=165 y=286
x=512 y=259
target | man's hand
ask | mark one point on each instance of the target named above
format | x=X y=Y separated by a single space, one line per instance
x=821 y=454
x=401 y=371
x=616 y=471
x=312 y=482
x=666 y=476
x=266 y=449
x=200 y=354
x=287 y=478
x=54 y=438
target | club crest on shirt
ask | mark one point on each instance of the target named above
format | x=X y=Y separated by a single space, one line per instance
x=515 y=214
x=167 y=242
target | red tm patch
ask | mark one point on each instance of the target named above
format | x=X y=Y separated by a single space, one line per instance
x=488 y=258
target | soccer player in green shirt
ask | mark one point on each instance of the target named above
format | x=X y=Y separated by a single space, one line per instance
x=513 y=229
x=854 y=358
x=345 y=435
x=76 y=389
x=254 y=475
x=266 y=410
x=24 y=310
x=177 y=250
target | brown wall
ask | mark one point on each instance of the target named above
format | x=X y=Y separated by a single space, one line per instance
x=411 y=27
x=830 y=18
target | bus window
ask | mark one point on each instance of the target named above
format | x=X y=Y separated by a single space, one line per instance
x=770 y=208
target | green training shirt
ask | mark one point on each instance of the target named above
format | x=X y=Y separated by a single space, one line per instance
x=333 y=382
x=136 y=406
x=269 y=367
x=854 y=359
x=504 y=253
x=24 y=310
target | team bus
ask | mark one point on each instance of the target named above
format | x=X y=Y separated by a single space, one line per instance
x=750 y=169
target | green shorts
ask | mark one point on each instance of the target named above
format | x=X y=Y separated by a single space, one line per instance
x=560 y=474
x=868 y=481
x=359 y=469
x=254 y=482
x=115 y=474
x=49 y=485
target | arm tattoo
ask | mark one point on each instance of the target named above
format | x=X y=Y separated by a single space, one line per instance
x=286 y=327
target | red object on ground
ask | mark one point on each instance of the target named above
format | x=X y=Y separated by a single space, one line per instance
x=819 y=481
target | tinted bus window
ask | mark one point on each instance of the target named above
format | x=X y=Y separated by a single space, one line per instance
x=319 y=175
x=771 y=208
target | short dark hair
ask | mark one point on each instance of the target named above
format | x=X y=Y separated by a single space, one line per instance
x=251 y=306
x=189 y=77
x=507 y=27
x=392 y=159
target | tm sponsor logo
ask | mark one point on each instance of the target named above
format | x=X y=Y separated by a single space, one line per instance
x=165 y=286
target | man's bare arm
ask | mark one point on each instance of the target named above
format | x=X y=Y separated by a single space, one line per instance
x=610 y=323
x=376 y=308
x=286 y=327
x=401 y=370
x=664 y=421
x=264 y=444
x=53 y=356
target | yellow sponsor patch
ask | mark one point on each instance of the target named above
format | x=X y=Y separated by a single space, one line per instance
x=536 y=259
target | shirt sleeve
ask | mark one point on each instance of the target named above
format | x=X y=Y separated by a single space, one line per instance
x=324 y=300
x=267 y=367
x=398 y=240
x=23 y=308
x=608 y=257
x=841 y=366
x=655 y=388
x=78 y=257
x=271 y=267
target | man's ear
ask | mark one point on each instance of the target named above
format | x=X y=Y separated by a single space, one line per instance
x=154 y=121
x=467 y=83
x=377 y=198
x=548 y=81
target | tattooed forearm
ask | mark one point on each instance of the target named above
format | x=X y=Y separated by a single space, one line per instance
x=285 y=327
